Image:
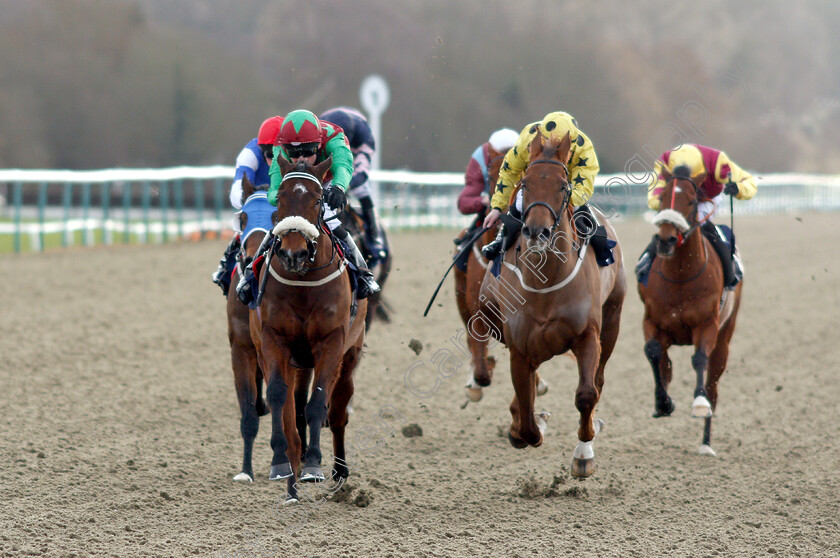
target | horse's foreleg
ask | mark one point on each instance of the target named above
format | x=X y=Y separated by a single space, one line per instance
x=657 y=355
x=301 y=393
x=341 y=395
x=328 y=359
x=523 y=428
x=249 y=395
x=293 y=451
x=717 y=366
x=278 y=378
x=704 y=342
x=588 y=354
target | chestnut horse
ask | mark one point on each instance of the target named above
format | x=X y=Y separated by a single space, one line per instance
x=467 y=287
x=552 y=297
x=304 y=323
x=683 y=303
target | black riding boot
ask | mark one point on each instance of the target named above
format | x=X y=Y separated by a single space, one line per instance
x=724 y=252
x=245 y=288
x=589 y=228
x=367 y=284
x=646 y=261
x=508 y=233
x=222 y=275
x=374 y=241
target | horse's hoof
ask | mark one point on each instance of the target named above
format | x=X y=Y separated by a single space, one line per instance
x=281 y=471
x=706 y=449
x=542 y=387
x=664 y=410
x=474 y=394
x=582 y=468
x=289 y=501
x=518 y=443
x=701 y=408
x=311 y=474
x=243 y=477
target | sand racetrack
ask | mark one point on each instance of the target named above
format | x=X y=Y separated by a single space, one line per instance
x=120 y=428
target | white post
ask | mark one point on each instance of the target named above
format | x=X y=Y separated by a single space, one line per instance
x=374 y=95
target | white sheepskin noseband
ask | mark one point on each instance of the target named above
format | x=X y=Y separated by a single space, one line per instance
x=670 y=216
x=296 y=223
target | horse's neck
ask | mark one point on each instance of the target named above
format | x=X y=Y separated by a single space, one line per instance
x=689 y=257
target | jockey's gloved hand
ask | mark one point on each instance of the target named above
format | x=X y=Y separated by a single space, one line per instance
x=731 y=189
x=335 y=197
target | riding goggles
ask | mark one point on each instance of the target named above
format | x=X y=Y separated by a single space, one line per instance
x=303 y=150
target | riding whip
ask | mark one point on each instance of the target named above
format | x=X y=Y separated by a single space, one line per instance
x=467 y=246
x=731 y=216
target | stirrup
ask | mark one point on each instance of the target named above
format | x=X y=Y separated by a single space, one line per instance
x=366 y=286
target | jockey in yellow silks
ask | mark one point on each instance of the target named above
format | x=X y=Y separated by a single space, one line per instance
x=723 y=177
x=583 y=167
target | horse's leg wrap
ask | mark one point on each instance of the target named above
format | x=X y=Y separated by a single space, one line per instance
x=724 y=252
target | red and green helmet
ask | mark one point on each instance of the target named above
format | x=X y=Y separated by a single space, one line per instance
x=299 y=127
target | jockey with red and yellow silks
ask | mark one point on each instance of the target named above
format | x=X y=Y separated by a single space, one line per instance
x=700 y=159
x=723 y=177
x=583 y=168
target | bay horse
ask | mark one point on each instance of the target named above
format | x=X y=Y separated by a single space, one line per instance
x=377 y=306
x=255 y=221
x=684 y=303
x=552 y=297
x=468 y=285
x=304 y=325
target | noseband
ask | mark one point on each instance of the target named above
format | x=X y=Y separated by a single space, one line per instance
x=682 y=237
x=567 y=192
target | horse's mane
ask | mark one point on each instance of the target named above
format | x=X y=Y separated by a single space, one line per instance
x=682 y=171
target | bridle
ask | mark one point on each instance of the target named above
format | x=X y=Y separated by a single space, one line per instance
x=694 y=203
x=567 y=193
x=311 y=243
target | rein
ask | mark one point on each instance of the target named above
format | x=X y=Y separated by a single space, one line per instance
x=565 y=186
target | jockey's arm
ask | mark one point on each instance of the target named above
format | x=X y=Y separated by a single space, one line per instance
x=470 y=199
x=246 y=165
x=746 y=182
x=583 y=168
x=656 y=186
x=512 y=168
x=342 y=161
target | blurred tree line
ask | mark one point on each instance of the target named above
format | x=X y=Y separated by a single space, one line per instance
x=96 y=83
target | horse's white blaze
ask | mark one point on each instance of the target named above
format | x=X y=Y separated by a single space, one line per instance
x=670 y=216
x=706 y=449
x=677 y=189
x=701 y=408
x=296 y=223
x=299 y=188
x=243 y=477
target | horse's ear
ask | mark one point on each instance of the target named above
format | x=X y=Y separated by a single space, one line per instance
x=320 y=170
x=243 y=220
x=665 y=173
x=564 y=150
x=274 y=217
x=285 y=166
x=700 y=178
x=492 y=153
x=535 y=148
x=247 y=188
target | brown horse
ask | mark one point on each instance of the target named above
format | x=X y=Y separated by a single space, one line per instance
x=551 y=297
x=683 y=302
x=304 y=323
x=255 y=221
x=467 y=287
